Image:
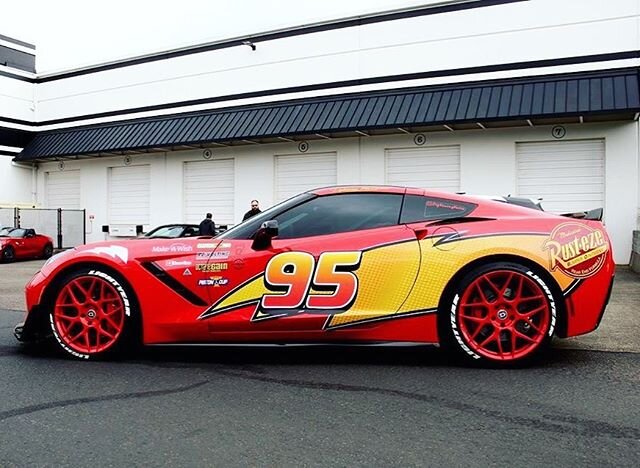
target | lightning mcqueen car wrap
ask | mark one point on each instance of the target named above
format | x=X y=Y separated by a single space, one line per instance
x=489 y=281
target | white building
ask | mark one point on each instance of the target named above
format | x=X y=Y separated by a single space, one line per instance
x=536 y=98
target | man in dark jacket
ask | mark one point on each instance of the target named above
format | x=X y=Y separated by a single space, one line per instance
x=207 y=226
x=255 y=209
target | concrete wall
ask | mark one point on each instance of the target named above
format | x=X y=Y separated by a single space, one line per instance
x=487 y=167
x=518 y=32
x=15 y=184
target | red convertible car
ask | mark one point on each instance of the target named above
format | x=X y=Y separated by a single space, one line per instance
x=17 y=243
x=490 y=281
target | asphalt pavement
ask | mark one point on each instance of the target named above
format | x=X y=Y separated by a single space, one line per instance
x=330 y=406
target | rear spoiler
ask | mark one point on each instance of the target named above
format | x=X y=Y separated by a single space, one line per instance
x=592 y=215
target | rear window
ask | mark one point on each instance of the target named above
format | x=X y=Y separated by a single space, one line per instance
x=417 y=208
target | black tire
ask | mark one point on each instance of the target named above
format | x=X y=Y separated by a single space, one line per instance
x=8 y=254
x=500 y=314
x=47 y=251
x=92 y=322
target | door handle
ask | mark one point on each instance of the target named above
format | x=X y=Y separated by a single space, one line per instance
x=421 y=233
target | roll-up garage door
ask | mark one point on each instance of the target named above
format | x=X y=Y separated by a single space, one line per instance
x=435 y=168
x=297 y=173
x=209 y=188
x=129 y=195
x=62 y=189
x=567 y=175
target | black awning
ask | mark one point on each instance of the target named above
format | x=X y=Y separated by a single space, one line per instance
x=579 y=94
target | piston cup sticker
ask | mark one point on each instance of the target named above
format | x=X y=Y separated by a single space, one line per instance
x=576 y=249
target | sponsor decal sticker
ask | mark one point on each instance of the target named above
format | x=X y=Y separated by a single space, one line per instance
x=225 y=245
x=576 y=249
x=173 y=248
x=203 y=255
x=220 y=255
x=215 y=281
x=178 y=263
x=210 y=267
x=186 y=272
x=207 y=245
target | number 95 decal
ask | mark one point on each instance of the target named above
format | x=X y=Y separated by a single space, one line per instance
x=302 y=283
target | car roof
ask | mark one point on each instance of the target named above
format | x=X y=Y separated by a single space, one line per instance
x=358 y=188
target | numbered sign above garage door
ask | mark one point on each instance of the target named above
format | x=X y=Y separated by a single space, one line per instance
x=129 y=195
x=209 y=188
x=297 y=173
x=62 y=189
x=567 y=175
x=435 y=167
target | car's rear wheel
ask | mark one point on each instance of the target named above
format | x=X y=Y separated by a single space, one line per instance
x=91 y=314
x=47 y=251
x=501 y=313
x=8 y=254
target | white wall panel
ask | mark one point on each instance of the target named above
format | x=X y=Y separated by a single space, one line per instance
x=568 y=175
x=209 y=188
x=297 y=173
x=62 y=189
x=129 y=195
x=434 y=168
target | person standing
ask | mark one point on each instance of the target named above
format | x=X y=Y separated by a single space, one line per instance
x=207 y=226
x=255 y=209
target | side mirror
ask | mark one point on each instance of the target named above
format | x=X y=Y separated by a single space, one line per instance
x=262 y=238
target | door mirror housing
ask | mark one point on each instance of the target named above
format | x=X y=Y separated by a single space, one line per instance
x=263 y=236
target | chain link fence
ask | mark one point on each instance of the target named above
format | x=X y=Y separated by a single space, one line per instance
x=67 y=228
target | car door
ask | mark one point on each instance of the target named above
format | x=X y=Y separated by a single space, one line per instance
x=31 y=244
x=19 y=243
x=338 y=261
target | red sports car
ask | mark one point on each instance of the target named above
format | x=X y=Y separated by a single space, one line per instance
x=488 y=280
x=17 y=243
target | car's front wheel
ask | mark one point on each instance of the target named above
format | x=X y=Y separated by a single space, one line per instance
x=501 y=313
x=47 y=251
x=91 y=314
x=8 y=254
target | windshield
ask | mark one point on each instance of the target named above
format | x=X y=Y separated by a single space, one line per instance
x=4 y=232
x=247 y=229
x=166 y=231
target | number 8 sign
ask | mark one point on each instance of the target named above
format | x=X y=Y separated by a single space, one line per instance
x=299 y=276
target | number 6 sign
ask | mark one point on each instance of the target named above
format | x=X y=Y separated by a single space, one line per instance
x=329 y=284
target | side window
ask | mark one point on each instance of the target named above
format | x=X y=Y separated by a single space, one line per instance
x=417 y=208
x=340 y=213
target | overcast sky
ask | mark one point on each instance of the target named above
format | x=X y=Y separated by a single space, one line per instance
x=72 y=33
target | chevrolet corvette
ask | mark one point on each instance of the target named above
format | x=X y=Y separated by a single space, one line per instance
x=490 y=281
x=17 y=243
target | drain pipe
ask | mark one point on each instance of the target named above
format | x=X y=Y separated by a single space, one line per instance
x=34 y=179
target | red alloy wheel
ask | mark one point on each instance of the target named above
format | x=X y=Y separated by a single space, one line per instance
x=504 y=315
x=89 y=315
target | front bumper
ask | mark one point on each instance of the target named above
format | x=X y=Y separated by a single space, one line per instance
x=34 y=329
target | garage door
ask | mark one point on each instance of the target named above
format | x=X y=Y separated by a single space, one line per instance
x=436 y=167
x=297 y=173
x=129 y=195
x=209 y=188
x=62 y=189
x=567 y=175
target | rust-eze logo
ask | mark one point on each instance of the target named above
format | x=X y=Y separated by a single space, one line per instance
x=576 y=249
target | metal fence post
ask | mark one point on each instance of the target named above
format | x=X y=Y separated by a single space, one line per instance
x=16 y=217
x=84 y=226
x=60 y=228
